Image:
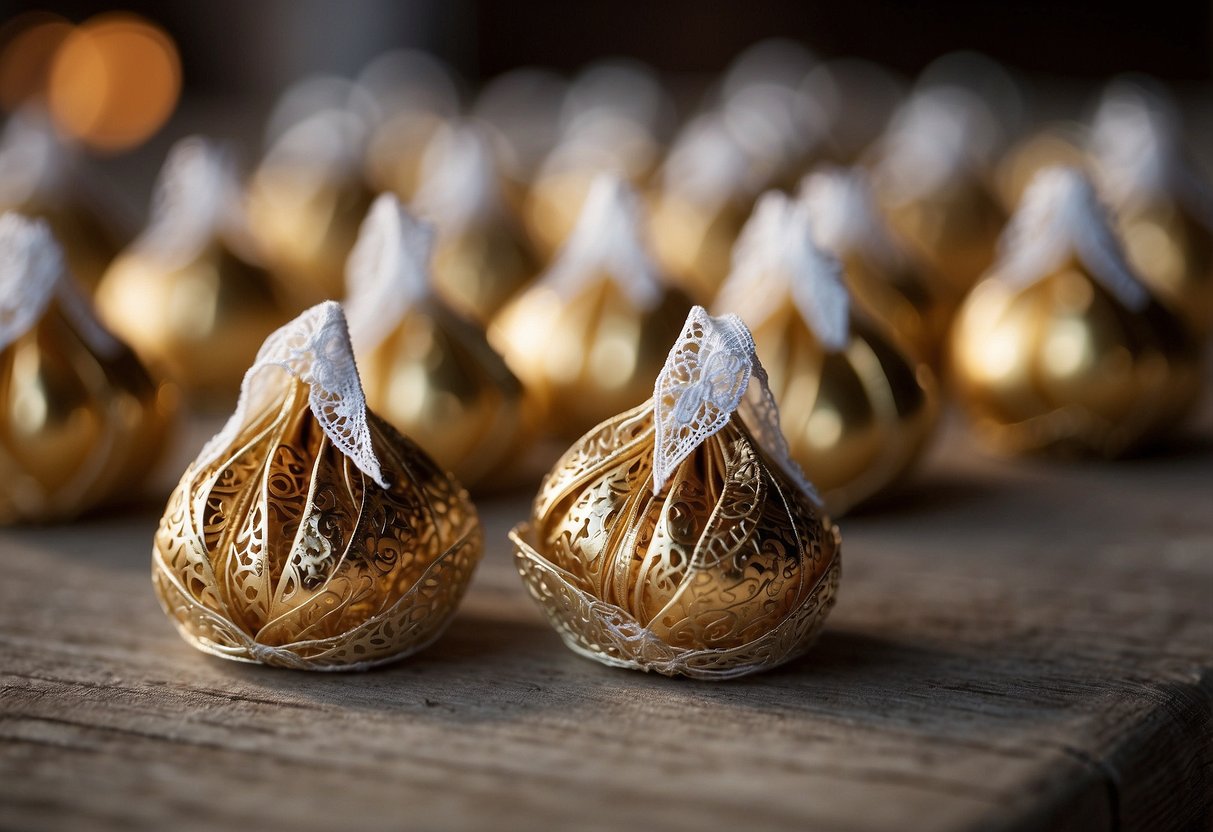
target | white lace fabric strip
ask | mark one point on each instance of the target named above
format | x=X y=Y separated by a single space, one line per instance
x=197 y=198
x=388 y=271
x=314 y=348
x=459 y=184
x=711 y=373
x=775 y=257
x=844 y=216
x=1060 y=216
x=32 y=274
x=938 y=135
x=607 y=239
x=1136 y=139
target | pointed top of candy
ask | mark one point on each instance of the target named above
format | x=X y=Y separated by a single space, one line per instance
x=1060 y=216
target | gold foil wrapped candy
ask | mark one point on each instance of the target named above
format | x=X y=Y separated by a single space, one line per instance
x=305 y=202
x=707 y=189
x=1062 y=347
x=587 y=338
x=189 y=294
x=678 y=536
x=309 y=533
x=413 y=96
x=81 y=423
x=930 y=178
x=611 y=122
x=482 y=256
x=427 y=369
x=857 y=408
x=1163 y=203
x=882 y=274
x=41 y=177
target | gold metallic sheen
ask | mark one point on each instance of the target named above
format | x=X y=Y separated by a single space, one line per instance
x=1173 y=252
x=306 y=226
x=856 y=420
x=955 y=229
x=199 y=324
x=282 y=552
x=480 y=268
x=586 y=357
x=78 y=429
x=730 y=569
x=436 y=379
x=1061 y=365
x=695 y=244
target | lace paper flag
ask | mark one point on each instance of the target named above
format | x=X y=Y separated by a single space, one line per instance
x=775 y=256
x=32 y=274
x=314 y=348
x=1136 y=139
x=459 y=185
x=196 y=198
x=387 y=271
x=607 y=240
x=843 y=212
x=1061 y=215
x=711 y=373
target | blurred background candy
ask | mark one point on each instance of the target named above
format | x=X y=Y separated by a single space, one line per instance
x=190 y=294
x=426 y=368
x=81 y=421
x=909 y=146
x=1063 y=346
x=857 y=409
x=588 y=338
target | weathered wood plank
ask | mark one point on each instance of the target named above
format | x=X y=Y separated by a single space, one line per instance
x=1017 y=646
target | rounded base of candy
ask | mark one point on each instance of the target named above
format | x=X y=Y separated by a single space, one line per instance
x=410 y=625
x=610 y=635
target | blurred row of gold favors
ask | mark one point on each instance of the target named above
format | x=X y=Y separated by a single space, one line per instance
x=1085 y=332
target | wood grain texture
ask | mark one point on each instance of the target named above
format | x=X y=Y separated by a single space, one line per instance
x=1017 y=646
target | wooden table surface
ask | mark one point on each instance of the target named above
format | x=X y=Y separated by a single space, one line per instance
x=1017 y=645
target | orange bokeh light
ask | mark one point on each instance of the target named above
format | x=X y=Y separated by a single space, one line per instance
x=114 y=82
x=30 y=43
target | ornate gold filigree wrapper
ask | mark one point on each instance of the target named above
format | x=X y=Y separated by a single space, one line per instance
x=189 y=294
x=590 y=335
x=1062 y=347
x=305 y=202
x=482 y=257
x=931 y=183
x=309 y=533
x=1163 y=203
x=81 y=423
x=678 y=537
x=427 y=369
x=885 y=279
x=858 y=408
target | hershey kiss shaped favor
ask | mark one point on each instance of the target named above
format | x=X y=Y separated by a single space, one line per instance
x=427 y=369
x=309 y=533
x=883 y=275
x=857 y=407
x=1163 y=202
x=482 y=256
x=679 y=536
x=189 y=294
x=41 y=176
x=708 y=186
x=1062 y=346
x=589 y=336
x=305 y=202
x=81 y=422
x=930 y=176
